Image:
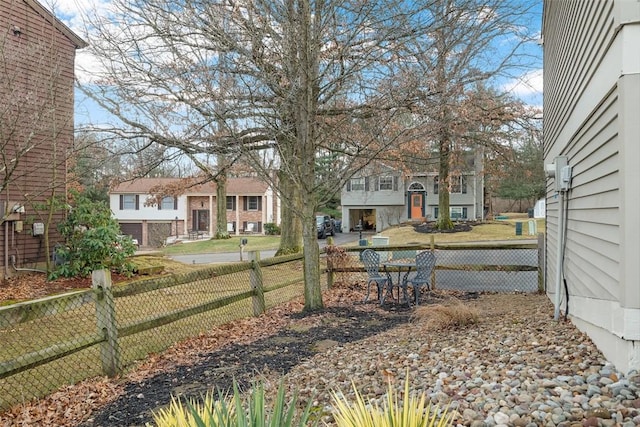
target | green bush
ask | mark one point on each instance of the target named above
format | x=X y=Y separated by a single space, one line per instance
x=92 y=241
x=235 y=411
x=271 y=229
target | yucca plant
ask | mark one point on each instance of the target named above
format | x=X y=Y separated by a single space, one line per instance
x=235 y=411
x=413 y=413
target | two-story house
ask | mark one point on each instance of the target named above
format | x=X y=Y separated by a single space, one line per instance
x=150 y=219
x=37 y=55
x=381 y=196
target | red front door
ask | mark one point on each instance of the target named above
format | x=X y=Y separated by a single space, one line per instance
x=416 y=205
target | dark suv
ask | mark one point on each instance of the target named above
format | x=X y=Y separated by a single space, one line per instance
x=326 y=226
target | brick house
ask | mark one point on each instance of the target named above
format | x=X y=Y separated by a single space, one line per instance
x=250 y=204
x=37 y=55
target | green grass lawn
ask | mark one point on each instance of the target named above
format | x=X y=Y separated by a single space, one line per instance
x=254 y=243
x=491 y=230
x=488 y=231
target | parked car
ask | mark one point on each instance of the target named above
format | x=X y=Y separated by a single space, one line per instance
x=325 y=225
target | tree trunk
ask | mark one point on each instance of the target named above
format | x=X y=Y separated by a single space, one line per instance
x=312 y=288
x=305 y=166
x=444 y=218
x=221 y=201
x=290 y=225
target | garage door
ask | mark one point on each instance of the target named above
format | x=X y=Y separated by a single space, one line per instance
x=133 y=230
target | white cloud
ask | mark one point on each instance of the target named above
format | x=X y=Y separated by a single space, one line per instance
x=526 y=86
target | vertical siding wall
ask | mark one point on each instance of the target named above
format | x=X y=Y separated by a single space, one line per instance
x=36 y=93
x=584 y=119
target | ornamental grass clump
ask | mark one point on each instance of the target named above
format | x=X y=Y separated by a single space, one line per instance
x=235 y=411
x=413 y=412
x=446 y=316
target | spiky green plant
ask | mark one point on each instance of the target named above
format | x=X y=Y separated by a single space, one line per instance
x=414 y=412
x=235 y=411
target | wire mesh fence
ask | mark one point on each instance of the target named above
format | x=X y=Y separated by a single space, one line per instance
x=473 y=268
x=60 y=340
x=63 y=339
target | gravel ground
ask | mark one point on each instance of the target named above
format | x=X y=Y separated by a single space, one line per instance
x=515 y=367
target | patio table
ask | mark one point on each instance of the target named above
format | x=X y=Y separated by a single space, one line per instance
x=400 y=265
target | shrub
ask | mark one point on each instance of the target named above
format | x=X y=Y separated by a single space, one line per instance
x=413 y=412
x=271 y=229
x=92 y=241
x=235 y=411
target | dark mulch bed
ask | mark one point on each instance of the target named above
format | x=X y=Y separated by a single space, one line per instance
x=430 y=227
x=278 y=353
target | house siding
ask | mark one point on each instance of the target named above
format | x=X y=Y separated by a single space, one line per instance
x=591 y=110
x=36 y=93
x=391 y=207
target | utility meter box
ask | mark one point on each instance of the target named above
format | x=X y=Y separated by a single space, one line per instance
x=38 y=228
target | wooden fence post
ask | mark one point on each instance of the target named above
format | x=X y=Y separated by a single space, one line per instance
x=432 y=244
x=106 y=322
x=257 y=285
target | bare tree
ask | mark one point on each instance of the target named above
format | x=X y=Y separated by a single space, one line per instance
x=475 y=44
x=302 y=79
x=302 y=73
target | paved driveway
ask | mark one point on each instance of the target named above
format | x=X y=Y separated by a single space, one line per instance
x=210 y=258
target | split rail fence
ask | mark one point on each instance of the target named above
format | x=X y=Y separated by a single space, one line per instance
x=52 y=342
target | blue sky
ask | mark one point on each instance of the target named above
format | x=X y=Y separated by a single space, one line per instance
x=527 y=87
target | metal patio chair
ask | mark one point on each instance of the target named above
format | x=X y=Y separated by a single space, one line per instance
x=425 y=263
x=371 y=261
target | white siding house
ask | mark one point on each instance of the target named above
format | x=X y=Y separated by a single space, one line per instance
x=380 y=197
x=592 y=120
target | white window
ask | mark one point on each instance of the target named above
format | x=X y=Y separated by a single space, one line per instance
x=129 y=202
x=168 y=203
x=357 y=184
x=458 y=184
x=385 y=183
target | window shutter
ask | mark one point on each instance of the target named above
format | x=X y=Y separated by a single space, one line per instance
x=259 y=226
x=464 y=184
x=259 y=203
x=435 y=212
x=244 y=203
x=366 y=183
x=376 y=183
x=435 y=186
x=175 y=203
x=234 y=203
x=137 y=202
x=121 y=201
x=349 y=185
x=244 y=225
x=160 y=204
x=395 y=183
x=464 y=213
